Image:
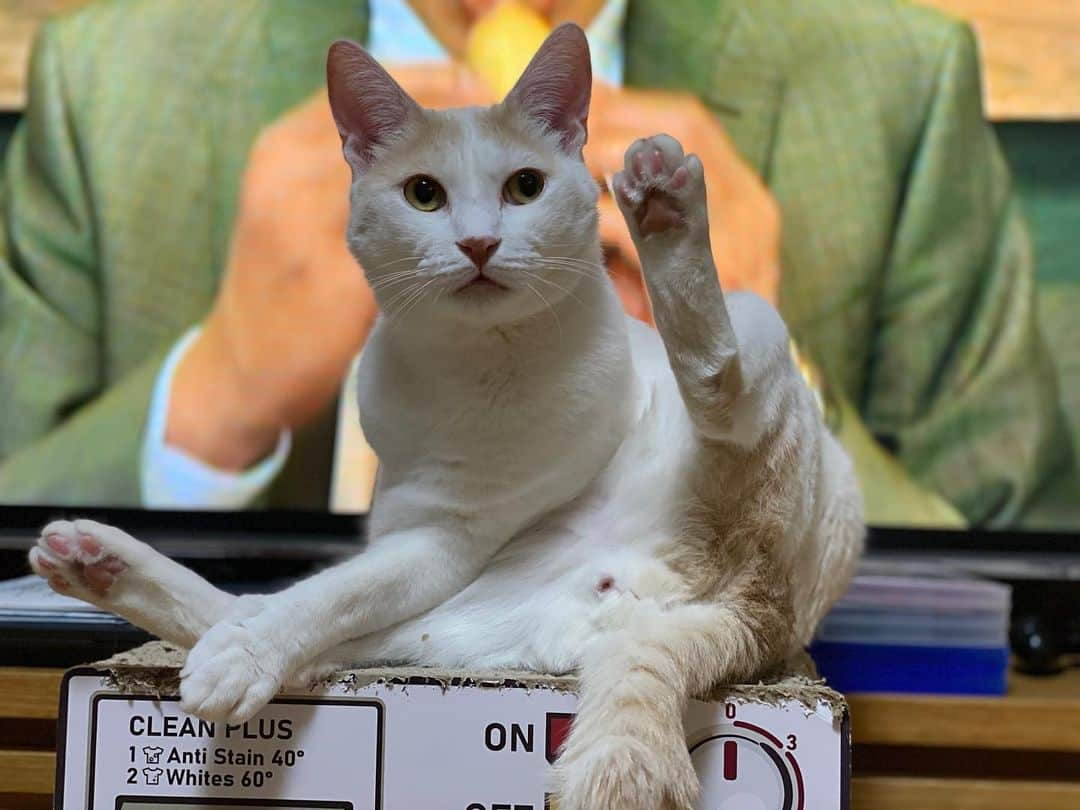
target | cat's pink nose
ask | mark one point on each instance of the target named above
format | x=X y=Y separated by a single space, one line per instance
x=479 y=249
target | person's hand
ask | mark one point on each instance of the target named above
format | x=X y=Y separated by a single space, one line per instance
x=744 y=220
x=293 y=308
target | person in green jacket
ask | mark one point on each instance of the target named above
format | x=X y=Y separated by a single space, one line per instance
x=173 y=208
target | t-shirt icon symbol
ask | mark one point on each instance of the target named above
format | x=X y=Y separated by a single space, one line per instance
x=152 y=754
x=152 y=775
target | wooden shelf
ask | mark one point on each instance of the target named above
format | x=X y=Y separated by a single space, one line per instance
x=27 y=771
x=1038 y=714
x=29 y=693
x=906 y=793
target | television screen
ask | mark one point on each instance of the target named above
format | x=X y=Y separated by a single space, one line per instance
x=180 y=316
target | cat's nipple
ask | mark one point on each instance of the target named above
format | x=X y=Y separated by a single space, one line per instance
x=606 y=584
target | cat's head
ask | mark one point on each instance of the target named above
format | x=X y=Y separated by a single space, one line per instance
x=484 y=215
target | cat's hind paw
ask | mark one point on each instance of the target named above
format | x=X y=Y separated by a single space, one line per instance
x=82 y=558
x=621 y=771
x=660 y=190
x=230 y=674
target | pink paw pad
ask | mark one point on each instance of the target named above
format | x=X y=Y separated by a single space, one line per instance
x=59 y=544
x=89 y=545
x=73 y=561
x=101 y=575
x=679 y=178
x=656 y=162
x=659 y=213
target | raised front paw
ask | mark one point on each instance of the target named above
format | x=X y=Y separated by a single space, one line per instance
x=83 y=559
x=231 y=673
x=660 y=190
x=625 y=772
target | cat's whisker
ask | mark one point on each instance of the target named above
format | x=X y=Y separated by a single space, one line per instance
x=582 y=269
x=572 y=261
x=389 y=304
x=414 y=300
x=575 y=244
x=396 y=278
x=395 y=317
x=399 y=273
x=420 y=296
x=389 y=282
x=547 y=304
x=573 y=270
x=576 y=260
x=392 y=262
x=383 y=283
x=415 y=294
x=400 y=296
x=559 y=287
x=413 y=303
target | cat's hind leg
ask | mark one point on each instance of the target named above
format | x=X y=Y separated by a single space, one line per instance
x=112 y=570
x=627 y=748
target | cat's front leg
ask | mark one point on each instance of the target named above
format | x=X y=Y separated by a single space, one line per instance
x=719 y=355
x=243 y=660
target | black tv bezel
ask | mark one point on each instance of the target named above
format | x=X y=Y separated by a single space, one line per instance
x=269 y=533
x=283 y=527
x=998 y=541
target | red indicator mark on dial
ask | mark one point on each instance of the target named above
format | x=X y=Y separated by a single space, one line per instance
x=731 y=760
x=759 y=730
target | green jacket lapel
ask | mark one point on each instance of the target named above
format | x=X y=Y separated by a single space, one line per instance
x=711 y=49
x=747 y=99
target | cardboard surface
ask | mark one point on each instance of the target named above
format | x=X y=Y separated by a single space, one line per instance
x=414 y=740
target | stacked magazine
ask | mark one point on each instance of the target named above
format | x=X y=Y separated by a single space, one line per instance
x=916 y=630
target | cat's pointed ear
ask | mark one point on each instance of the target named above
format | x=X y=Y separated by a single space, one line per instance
x=369 y=107
x=555 y=87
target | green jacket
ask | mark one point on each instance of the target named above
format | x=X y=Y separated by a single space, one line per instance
x=907 y=273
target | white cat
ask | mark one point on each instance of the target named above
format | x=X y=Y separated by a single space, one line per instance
x=561 y=487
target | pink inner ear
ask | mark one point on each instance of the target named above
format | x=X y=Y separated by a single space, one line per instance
x=555 y=87
x=369 y=107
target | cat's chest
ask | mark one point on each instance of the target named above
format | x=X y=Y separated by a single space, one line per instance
x=497 y=426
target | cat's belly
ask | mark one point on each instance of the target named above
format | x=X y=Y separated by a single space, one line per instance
x=535 y=608
x=538 y=602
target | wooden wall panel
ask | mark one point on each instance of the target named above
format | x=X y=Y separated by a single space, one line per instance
x=1031 y=52
x=19 y=19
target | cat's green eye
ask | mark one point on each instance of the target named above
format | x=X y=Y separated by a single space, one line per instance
x=424 y=193
x=524 y=186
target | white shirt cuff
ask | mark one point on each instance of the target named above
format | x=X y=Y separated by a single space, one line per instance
x=172 y=479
